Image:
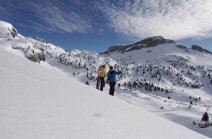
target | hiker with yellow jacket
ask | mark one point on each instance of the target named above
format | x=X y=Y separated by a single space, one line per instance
x=101 y=77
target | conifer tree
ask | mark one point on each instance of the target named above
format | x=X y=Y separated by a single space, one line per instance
x=205 y=117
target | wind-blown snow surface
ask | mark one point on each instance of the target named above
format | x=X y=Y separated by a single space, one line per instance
x=36 y=102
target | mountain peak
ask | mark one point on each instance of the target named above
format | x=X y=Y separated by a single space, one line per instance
x=154 y=41
x=145 y=43
x=8 y=31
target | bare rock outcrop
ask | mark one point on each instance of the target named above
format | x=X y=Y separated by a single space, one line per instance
x=146 y=43
x=200 y=49
x=36 y=57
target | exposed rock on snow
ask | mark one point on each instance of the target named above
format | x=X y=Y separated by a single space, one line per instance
x=36 y=57
x=181 y=46
x=200 y=49
x=154 y=41
x=32 y=54
x=38 y=39
x=13 y=32
x=146 y=43
x=8 y=31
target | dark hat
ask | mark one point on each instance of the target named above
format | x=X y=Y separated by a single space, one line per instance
x=111 y=67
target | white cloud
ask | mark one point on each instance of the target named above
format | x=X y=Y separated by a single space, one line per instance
x=136 y=19
x=174 y=19
x=61 y=19
x=48 y=15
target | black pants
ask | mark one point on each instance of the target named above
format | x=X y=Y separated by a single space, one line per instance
x=112 y=88
x=101 y=82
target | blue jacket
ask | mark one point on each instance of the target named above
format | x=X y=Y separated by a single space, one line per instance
x=112 y=76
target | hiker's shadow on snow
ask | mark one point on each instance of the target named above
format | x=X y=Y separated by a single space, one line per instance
x=97 y=115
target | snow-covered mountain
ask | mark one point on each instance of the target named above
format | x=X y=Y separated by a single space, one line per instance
x=157 y=74
x=168 y=72
x=163 y=64
x=36 y=102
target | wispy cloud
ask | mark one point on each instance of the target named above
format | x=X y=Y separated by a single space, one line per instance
x=37 y=28
x=61 y=20
x=135 y=19
x=175 y=19
x=52 y=16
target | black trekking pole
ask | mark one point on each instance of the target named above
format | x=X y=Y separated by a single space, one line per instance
x=98 y=82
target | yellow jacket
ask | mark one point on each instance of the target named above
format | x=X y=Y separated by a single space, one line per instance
x=102 y=71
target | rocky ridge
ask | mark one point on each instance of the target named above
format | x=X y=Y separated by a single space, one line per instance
x=146 y=43
x=200 y=49
x=38 y=39
x=150 y=42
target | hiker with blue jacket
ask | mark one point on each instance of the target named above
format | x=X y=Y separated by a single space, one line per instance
x=112 y=79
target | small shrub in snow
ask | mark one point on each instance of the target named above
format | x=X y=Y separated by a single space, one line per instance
x=119 y=85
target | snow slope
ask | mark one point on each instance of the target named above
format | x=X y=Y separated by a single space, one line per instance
x=36 y=102
x=164 y=66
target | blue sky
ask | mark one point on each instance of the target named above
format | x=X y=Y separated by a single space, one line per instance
x=97 y=24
